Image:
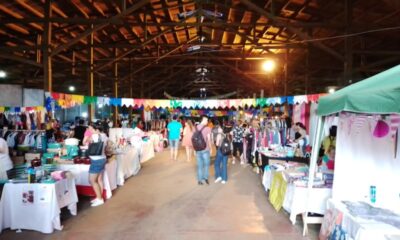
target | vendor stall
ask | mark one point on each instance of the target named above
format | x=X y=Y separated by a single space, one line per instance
x=81 y=175
x=128 y=163
x=366 y=164
x=287 y=186
x=135 y=138
x=36 y=206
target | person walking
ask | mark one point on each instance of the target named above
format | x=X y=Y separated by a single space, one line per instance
x=223 y=146
x=187 y=139
x=174 y=132
x=201 y=141
x=237 y=141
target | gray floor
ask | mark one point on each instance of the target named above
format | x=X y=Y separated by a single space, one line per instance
x=165 y=202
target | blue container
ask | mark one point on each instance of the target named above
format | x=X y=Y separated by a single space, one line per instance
x=372 y=194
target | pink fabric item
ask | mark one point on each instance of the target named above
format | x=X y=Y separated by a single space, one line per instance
x=381 y=129
x=296 y=113
x=88 y=133
x=58 y=175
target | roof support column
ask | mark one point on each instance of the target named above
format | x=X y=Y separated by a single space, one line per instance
x=130 y=87
x=47 y=67
x=91 y=106
x=115 y=87
x=285 y=87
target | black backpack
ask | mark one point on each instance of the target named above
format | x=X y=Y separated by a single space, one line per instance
x=198 y=141
x=225 y=147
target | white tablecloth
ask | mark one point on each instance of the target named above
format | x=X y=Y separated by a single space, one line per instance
x=356 y=228
x=128 y=164
x=81 y=175
x=147 y=151
x=37 y=206
x=296 y=200
x=155 y=138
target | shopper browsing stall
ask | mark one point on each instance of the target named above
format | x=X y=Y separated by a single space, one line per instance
x=5 y=161
x=301 y=137
x=88 y=135
x=79 y=131
x=174 y=133
x=98 y=161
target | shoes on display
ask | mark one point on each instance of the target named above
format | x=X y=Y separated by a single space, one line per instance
x=218 y=179
x=223 y=182
x=206 y=181
x=97 y=202
x=200 y=182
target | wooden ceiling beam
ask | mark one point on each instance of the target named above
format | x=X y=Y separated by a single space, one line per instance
x=96 y=28
x=237 y=70
x=124 y=54
x=20 y=59
x=297 y=31
x=159 y=58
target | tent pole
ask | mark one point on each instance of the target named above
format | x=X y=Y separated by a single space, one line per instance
x=314 y=159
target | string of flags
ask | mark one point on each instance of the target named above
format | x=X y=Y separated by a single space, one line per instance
x=70 y=100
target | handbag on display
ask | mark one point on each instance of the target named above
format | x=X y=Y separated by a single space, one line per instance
x=95 y=149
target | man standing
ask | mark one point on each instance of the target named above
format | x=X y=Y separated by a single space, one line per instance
x=203 y=156
x=174 y=133
x=79 y=131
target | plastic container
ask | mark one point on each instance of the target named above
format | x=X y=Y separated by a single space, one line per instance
x=372 y=194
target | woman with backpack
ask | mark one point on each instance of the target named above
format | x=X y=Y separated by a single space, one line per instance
x=223 y=146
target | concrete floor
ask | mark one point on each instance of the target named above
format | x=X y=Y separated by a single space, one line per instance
x=164 y=202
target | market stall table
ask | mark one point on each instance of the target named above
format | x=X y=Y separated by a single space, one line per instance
x=128 y=163
x=147 y=151
x=339 y=220
x=37 y=206
x=81 y=175
x=266 y=157
x=297 y=201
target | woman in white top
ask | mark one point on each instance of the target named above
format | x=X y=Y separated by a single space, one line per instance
x=97 y=166
x=5 y=161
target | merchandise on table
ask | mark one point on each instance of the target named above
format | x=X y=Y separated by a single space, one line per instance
x=23 y=204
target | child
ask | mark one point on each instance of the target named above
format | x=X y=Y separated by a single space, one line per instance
x=328 y=160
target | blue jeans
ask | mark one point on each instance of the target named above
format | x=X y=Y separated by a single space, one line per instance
x=220 y=165
x=203 y=163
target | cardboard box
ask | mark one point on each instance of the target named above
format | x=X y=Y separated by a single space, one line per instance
x=30 y=156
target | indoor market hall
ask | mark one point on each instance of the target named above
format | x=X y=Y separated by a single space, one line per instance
x=199 y=119
x=164 y=201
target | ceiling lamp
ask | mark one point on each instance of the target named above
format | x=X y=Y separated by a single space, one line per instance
x=268 y=66
x=3 y=74
x=71 y=88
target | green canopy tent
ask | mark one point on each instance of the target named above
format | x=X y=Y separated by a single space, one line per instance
x=379 y=94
